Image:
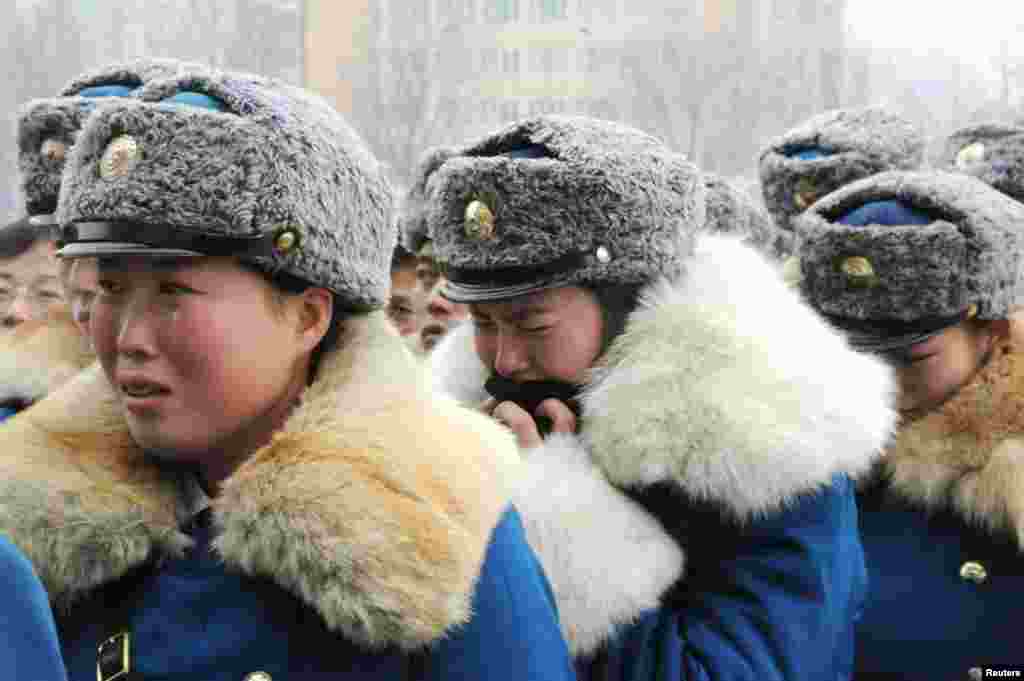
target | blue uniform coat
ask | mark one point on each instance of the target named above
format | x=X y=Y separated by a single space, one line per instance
x=942 y=526
x=701 y=524
x=371 y=539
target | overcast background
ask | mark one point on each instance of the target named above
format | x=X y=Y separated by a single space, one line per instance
x=715 y=78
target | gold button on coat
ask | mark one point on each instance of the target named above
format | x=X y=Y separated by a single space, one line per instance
x=257 y=676
x=973 y=571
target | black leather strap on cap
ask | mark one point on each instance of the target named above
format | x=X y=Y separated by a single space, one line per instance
x=518 y=275
x=168 y=237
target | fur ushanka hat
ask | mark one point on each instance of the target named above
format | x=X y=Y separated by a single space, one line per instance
x=48 y=127
x=830 y=150
x=900 y=256
x=991 y=152
x=730 y=210
x=559 y=201
x=211 y=162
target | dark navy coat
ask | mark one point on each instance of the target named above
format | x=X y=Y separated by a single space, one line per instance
x=753 y=598
x=196 y=620
x=931 y=613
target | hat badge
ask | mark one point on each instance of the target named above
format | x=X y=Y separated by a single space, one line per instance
x=119 y=157
x=969 y=155
x=858 y=270
x=479 y=223
x=806 y=194
x=286 y=240
x=53 y=150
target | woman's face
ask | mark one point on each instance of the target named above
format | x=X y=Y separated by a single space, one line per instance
x=202 y=357
x=80 y=291
x=29 y=285
x=550 y=335
x=941 y=365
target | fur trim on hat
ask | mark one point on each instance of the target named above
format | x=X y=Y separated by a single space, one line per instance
x=413 y=232
x=991 y=152
x=729 y=210
x=56 y=121
x=973 y=253
x=278 y=158
x=374 y=503
x=599 y=185
x=968 y=455
x=857 y=142
x=39 y=356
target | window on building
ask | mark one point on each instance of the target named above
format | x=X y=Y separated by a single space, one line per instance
x=510 y=60
x=487 y=60
x=503 y=10
x=458 y=12
x=509 y=110
x=552 y=9
x=549 y=60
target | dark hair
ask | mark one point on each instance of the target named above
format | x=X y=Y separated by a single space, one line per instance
x=617 y=301
x=18 y=237
x=401 y=257
x=289 y=284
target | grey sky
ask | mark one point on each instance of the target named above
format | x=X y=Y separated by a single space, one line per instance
x=973 y=29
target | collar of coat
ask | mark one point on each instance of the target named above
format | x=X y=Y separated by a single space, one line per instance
x=373 y=503
x=723 y=382
x=968 y=455
x=39 y=356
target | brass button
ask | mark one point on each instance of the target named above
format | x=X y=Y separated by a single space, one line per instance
x=53 y=150
x=973 y=571
x=258 y=676
x=969 y=155
x=286 y=241
x=479 y=220
x=119 y=157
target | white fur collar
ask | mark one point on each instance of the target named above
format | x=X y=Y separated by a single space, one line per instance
x=724 y=382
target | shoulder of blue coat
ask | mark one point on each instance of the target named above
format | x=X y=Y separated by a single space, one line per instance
x=374 y=503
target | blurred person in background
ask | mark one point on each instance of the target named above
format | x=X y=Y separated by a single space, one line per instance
x=442 y=315
x=29 y=274
x=925 y=270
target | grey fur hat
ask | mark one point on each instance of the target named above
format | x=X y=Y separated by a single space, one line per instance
x=218 y=163
x=412 y=215
x=47 y=127
x=830 y=150
x=915 y=250
x=730 y=210
x=991 y=152
x=557 y=201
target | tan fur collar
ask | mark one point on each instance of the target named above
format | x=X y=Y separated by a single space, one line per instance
x=374 y=503
x=969 y=454
x=38 y=356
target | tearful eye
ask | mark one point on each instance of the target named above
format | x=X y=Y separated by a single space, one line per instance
x=109 y=287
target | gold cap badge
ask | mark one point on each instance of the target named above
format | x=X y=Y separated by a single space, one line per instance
x=53 y=150
x=969 y=155
x=120 y=157
x=286 y=240
x=859 y=271
x=806 y=194
x=479 y=221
